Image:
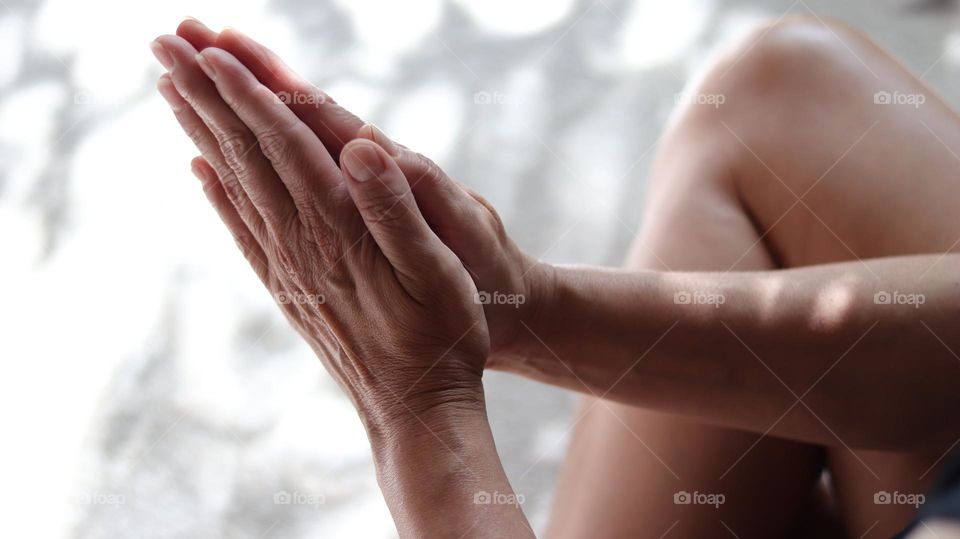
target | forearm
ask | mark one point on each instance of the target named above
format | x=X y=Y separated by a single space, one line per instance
x=748 y=345
x=441 y=476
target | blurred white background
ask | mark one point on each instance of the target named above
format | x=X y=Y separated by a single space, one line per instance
x=150 y=388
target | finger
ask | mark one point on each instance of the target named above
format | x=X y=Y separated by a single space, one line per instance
x=382 y=195
x=257 y=258
x=204 y=140
x=297 y=155
x=444 y=203
x=333 y=125
x=239 y=147
x=244 y=238
x=196 y=33
x=250 y=249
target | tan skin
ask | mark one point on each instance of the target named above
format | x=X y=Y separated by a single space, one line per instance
x=801 y=355
x=348 y=255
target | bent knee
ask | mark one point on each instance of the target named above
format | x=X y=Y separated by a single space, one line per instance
x=786 y=64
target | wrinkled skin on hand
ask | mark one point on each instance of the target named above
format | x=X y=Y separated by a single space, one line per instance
x=511 y=284
x=349 y=257
x=462 y=219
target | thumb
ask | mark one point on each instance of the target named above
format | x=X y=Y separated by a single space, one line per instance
x=382 y=195
x=445 y=204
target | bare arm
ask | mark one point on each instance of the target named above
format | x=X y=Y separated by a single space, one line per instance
x=878 y=375
x=860 y=351
x=443 y=478
x=355 y=268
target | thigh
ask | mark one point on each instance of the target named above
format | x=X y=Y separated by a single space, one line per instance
x=629 y=471
x=829 y=172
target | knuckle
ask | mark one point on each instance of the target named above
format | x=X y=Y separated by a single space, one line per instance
x=276 y=147
x=311 y=220
x=234 y=146
x=233 y=103
x=235 y=192
x=492 y=218
x=237 y=99
x=428 y=166
x=196 y=132
x=383 y=207
x=324 y=246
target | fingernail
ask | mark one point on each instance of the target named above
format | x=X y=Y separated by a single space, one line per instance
x=206 y=66
x=384 y=141
x=161 y=53
x=362 y=162
x=170 y=94
x=193 y=19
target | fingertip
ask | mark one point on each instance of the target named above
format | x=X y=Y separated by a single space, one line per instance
x=373 y=133
x=365 y=132
x=230 y=33
x=221 y=58
x=193 y=25
x=264 y=63
x=215 y=53
x=214 y=61
x=231 y=39
x=198 y=34
x=168 y=40
x=178 y=48
x=373 y=145
x=361 y=144
x=200 y=168
x=379 y=148
x=170 y=94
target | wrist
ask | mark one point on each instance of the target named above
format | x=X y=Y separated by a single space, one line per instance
x=436 y=471
x=424 y=463
x=422 y=414
x=540 y=291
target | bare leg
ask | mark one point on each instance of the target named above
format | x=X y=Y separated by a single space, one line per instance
x=799 y=122
x=625 y=464
x=880 y=180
